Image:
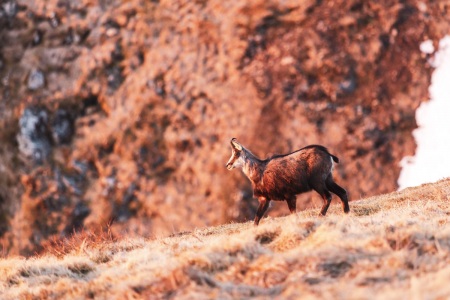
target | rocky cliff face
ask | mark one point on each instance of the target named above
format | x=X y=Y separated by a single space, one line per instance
x=120 y=112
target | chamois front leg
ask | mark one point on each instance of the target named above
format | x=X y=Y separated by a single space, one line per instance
x=262 y=208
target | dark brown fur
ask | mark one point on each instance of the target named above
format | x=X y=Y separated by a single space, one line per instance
x=282 y=177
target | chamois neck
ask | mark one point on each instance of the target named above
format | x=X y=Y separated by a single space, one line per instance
x=253 y=166
x=250 y=156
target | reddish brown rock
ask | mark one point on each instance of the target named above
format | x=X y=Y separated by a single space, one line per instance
x=155 y=90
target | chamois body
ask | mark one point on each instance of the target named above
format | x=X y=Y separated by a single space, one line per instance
x=282 y=177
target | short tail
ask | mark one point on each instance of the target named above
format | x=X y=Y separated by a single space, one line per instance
x=335 y=158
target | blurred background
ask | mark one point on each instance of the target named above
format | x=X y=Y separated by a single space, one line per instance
x=118 y=114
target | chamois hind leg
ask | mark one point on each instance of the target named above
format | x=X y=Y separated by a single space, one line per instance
x=326 y=196
x=318 y=184
x=341 y=192
x=292 y=204
x=262 y=208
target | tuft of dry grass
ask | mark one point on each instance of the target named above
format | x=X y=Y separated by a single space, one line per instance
x=79 y=241
x=391 y=246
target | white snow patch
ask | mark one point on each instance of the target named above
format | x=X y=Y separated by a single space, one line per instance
x=427 y=47
x=432 y=159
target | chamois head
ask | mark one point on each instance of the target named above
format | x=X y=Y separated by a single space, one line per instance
x=236 y=160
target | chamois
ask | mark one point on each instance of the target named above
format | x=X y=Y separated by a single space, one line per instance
x=282 y=177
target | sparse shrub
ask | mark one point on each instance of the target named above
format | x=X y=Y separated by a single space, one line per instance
x=102 y=257
x=80 y=241
x=81 y=268
x=267 y=237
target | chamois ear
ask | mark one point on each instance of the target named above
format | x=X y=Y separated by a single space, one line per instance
x=235 y=144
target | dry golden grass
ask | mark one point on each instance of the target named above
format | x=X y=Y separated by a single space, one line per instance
x=389 y=247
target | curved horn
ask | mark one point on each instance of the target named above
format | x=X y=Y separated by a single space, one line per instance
x=235 y=144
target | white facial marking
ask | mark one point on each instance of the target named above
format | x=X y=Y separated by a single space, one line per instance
x=238 y=163
x=235 y=161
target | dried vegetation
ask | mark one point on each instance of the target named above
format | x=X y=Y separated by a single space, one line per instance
x=391 y=246
x=122 y=110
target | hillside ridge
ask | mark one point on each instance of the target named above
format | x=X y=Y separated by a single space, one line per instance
x=123 y=110
x=390 y=246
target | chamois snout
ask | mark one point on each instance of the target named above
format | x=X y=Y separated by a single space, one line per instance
x=235 y=161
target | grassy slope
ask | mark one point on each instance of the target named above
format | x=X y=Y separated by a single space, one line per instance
x=391 y=246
